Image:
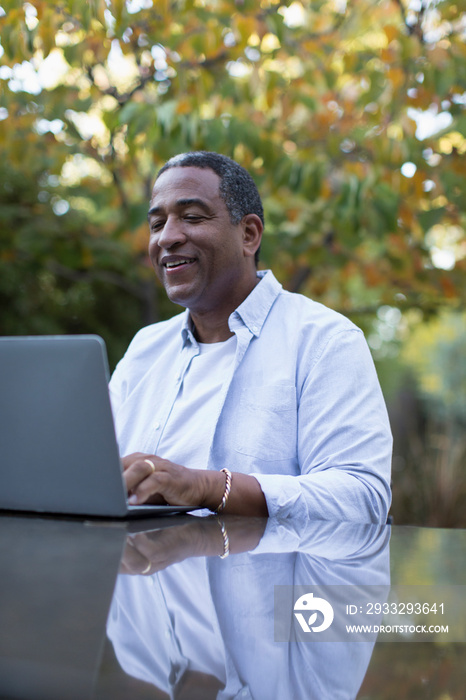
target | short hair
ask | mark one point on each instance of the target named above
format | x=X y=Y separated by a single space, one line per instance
x=237 y=188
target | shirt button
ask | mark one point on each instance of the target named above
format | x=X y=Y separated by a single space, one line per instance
x=157 y=426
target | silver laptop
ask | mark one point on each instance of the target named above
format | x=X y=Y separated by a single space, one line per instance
x=58 y=451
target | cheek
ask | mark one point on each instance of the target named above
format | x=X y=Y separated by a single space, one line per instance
x=153 y=250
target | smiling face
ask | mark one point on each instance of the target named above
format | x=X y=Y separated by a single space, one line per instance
x=205 y=262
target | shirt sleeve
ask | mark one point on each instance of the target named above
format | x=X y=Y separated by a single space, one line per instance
x=115 y=388
x=323 y=538
x=344 y=440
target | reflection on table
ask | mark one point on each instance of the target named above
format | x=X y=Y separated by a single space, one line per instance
x=183 y=607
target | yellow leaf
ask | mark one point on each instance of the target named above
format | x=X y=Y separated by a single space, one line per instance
x=391 y=32
x=246 y=27
x=270 y=43
x=396 y=76
x=184 y=106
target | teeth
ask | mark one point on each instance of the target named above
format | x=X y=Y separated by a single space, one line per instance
x=179 y=262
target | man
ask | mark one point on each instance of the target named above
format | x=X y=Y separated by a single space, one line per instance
x=274 y=389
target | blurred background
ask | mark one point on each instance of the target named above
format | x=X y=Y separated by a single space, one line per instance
x=351 y=118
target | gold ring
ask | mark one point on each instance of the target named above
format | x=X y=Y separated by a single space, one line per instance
x=146 y=570
x=151 y=464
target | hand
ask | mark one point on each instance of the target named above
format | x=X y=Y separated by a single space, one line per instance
x=151 y=479
x=167 y=482
x=148 y=552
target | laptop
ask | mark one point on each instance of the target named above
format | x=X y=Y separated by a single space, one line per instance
x=58 y=450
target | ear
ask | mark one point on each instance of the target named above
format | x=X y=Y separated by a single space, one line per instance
x=252 y=234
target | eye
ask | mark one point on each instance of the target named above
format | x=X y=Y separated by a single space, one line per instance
x=156 y=226
x=193 y=218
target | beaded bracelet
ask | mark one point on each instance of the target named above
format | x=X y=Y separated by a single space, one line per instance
x=226 y=493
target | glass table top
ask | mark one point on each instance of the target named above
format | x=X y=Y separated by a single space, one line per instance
x=190 y=607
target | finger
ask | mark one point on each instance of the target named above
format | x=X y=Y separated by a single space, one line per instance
x=150 y=489
x=154 y=499
x=150 y=549
x=150 y=463
x=161 y=549
x=128 y=460
x=134 y=562
x=138 y=472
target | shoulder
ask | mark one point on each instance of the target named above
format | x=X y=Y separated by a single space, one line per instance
x=149 y=345
x=279 y=307
x=306 y=317
x=156 y=334
x=296 y=309
x=309 y=330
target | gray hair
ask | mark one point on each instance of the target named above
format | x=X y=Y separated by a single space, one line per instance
x=237 y=188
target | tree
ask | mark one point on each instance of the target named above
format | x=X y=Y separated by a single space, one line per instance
x=323 y=101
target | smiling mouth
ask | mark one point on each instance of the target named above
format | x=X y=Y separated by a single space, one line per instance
x=171 y=264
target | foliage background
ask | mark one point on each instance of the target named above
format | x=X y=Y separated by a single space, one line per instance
x=351 y=118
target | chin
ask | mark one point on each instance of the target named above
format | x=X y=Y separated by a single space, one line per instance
x=177 y=297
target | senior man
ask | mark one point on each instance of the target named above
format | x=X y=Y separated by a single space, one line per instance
x=254 y=400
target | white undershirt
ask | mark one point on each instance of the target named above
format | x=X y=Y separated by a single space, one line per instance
x=186 y=438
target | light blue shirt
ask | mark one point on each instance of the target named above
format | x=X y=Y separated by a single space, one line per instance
x=300 y=409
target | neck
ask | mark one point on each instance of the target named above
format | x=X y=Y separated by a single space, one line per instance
x=212 y=326
x=210 y=332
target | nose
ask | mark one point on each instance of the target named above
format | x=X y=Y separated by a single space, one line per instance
x=169 y=235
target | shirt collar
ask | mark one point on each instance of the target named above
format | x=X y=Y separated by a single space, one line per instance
x=251 y=313
x=187 y=328
x=255 y=308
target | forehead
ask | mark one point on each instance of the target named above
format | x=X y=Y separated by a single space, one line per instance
x=180 y=183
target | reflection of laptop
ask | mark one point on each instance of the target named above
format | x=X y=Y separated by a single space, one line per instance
x=58 y=449
x=56 y=588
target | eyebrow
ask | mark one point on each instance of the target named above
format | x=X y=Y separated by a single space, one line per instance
x=181 y=204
